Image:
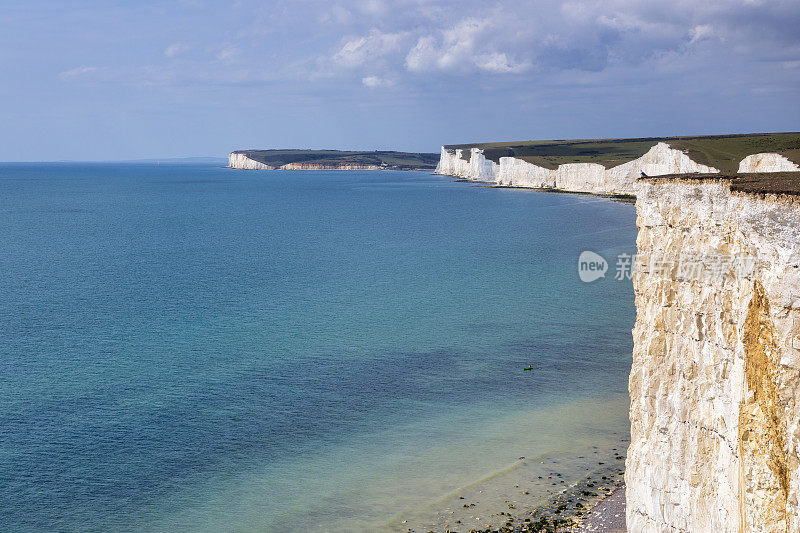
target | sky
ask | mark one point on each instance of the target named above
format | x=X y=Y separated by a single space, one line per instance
x=125 y=79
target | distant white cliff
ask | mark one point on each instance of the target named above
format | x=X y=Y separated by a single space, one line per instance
x=661 y=159
x=241 y=161
x=767 y=163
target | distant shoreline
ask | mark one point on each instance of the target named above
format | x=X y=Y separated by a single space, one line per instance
x=347 y=169
x=331 y=160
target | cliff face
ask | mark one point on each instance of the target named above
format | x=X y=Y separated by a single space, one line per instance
x=715 y=382
x=241 y=161
x=767 y=163
x=475 y=167
x=577 y=177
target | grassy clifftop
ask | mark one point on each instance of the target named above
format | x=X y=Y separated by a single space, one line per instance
x=333 y=158
x=780 y=183
x=720 y=151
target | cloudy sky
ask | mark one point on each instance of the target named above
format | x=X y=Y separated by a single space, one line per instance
x=123 y=79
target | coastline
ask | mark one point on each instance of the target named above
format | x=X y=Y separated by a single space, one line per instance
x=618 y=197
x=608 y=516
x=341 y=169
x=582 y=445
x=330 y=160
x=559 y=485
x=535 y=494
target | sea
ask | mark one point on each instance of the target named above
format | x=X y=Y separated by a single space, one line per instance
x=186 y=347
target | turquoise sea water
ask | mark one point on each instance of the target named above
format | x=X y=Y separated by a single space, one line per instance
x=186 y=347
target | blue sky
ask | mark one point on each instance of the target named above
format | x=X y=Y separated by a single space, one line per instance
x=100 y=80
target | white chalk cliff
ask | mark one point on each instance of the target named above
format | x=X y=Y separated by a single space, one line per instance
x=241 y=161
x=715 y=382
x=767 y=163
x=577 y=177
x=478 y=168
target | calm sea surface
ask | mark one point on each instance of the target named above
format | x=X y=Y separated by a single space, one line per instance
x=187 y=347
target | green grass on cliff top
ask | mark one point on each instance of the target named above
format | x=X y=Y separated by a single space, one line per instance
x=723 y=152
x=400 y=160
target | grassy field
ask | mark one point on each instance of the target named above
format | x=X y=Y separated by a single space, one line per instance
x=720 y=151
x=396 y=160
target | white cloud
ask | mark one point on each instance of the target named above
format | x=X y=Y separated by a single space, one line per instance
x=424 y=56
x=461 y=42
x=701 y=32
x=353 y=53
x=376 y=45
x=456 y=48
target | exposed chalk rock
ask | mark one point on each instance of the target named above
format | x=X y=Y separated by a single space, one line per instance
x=578 y=177
x=661 y=159
x=477 y=168
x=241 y=161
x=767 y=163
x=658 y=161
x=518 y=173
x=582 y=177
x=715 y=381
